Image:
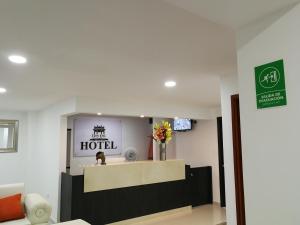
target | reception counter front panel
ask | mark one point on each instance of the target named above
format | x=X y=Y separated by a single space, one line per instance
x=159 y=187
x=99 y=178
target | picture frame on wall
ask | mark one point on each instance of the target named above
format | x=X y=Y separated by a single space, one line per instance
x=9 y=136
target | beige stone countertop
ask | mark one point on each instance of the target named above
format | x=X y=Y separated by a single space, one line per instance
x=127 y=174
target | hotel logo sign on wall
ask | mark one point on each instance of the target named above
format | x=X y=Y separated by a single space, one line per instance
x=92 y=134
x=270 y=85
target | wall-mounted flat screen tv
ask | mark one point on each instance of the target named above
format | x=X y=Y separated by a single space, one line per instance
x=182 y=124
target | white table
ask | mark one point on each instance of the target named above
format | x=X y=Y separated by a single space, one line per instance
x=74 y=222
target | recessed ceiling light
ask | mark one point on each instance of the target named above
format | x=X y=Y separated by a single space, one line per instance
x=142 y=116
x=170 y=83
x=99 y=113
x=17 y=59
x=2 y=90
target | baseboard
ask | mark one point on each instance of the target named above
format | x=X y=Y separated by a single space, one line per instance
x=156 y=217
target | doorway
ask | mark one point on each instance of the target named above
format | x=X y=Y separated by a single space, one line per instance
x=68 y=158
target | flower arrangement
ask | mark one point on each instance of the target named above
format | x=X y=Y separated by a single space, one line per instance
x=162 y=132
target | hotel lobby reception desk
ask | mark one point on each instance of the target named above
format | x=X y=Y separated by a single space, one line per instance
x=117 y=192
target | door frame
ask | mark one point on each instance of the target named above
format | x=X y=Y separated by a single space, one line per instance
x=221 y=162
x=238 y=160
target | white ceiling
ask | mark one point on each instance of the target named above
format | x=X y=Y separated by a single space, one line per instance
x=233 y=13
x=116 y=50
x=112 y=49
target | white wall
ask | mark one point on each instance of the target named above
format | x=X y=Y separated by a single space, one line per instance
x=229 y=86
x=13 y=165
x=47 y=153
x=247 y=33
x=135 y=132
x=149 y=109
x=270 y=137
x=199 y=147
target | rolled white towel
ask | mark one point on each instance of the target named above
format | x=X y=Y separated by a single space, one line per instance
x=38 y=210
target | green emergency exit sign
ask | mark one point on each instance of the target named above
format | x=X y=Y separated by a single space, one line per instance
x=270 y=85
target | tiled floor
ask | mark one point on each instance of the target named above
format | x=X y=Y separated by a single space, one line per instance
x=203 y=215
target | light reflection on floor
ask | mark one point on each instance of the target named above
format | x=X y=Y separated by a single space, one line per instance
x=203 y=215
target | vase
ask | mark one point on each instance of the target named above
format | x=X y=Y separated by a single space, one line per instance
x=162 y=151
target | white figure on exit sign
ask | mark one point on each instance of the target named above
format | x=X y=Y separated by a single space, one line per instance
x=270 y=79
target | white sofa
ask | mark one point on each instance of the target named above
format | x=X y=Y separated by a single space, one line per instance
x=37 y=209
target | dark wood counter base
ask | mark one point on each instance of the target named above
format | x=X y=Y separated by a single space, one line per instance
x=108 y=206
